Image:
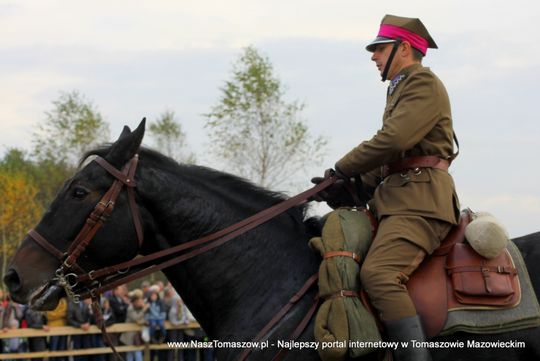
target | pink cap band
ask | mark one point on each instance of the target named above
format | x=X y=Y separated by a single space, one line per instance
x=394 y=32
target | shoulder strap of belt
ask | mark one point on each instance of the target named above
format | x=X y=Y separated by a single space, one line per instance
x=454 y=156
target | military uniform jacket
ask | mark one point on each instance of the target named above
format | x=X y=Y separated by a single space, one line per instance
x=417 y=121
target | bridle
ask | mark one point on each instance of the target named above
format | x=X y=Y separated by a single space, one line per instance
x=79 y=284
x=69 y=272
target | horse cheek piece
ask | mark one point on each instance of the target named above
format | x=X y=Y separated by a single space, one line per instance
x=103 y=209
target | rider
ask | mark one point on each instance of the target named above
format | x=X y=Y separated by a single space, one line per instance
x=406 y=164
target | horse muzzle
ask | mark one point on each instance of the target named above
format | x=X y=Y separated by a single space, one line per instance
x=44 y=298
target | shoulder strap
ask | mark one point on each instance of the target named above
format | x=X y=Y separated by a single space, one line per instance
x=454 y=156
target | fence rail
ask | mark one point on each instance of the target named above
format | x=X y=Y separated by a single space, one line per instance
x=70 y=331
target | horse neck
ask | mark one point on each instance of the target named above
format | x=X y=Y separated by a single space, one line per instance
x=252 y=275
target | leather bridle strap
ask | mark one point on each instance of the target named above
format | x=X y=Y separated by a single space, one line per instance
x=100 y=323
x=216 y=239
x=281 y=313
x=98 y=217
x=38 y=238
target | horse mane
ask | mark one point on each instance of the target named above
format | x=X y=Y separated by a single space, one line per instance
x=233 y=183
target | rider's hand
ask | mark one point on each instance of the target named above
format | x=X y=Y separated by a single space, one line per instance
x=335 y=195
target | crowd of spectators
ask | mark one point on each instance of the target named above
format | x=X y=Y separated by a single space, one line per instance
x=149 y=306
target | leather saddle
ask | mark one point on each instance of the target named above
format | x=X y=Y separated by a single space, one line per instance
x=454 y=276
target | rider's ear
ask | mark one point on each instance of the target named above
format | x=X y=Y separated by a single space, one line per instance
x=126 y=146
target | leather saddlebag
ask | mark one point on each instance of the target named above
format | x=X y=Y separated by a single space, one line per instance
x=480 y=281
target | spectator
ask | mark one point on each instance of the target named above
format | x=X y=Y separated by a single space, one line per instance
x=80 y=315
x=169 y=295
x=176 y=316
x=58 y=318
x=108 y=319
x=14 y=344
x=37 y=320
x=12 y=311
x=155 y=316
x=136 y=314
x=119 y=303
x=145 y=286
x=160 y=288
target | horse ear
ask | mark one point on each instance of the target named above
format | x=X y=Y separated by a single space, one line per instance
x=126 y=146
x=125 y=132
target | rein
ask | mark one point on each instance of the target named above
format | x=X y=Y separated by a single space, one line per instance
x=80 y=284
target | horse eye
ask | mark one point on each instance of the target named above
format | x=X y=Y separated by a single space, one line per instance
x=79 y=193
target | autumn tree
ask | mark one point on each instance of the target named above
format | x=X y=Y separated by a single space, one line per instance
x=46 y=174
x=19 y=211
x=169 y=138
x=255 y=130
x=71 y=127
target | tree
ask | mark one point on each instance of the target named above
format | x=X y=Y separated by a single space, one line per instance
x=253 y=129
x=169 y=137
x=19 y=211
x=46 y=175
x=72 y=127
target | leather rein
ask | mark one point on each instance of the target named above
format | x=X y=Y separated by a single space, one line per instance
x=80 y=284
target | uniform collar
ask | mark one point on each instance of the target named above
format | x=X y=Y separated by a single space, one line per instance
x=403 y=74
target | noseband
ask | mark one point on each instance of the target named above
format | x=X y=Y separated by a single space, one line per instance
x=67 y=275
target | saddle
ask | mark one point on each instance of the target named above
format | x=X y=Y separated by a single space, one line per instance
x=454 y=277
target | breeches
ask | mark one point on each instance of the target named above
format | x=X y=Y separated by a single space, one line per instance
x=401 y=243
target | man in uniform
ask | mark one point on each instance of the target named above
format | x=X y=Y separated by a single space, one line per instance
x=406 y=163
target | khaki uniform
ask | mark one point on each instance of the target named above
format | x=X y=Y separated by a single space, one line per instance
x=417 y=208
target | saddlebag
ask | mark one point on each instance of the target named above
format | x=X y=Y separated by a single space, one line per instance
x=480 y=281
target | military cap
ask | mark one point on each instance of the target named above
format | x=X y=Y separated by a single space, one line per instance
x=407 y=29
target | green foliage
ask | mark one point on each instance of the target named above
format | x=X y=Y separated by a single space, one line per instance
x=72 y=127
x=169 y=137
x=255 y=131
x=47 y=175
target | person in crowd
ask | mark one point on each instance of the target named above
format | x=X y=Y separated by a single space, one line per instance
x=14 y=344
x=145 y=286
x=58 y=318
x=161 y=288
x=119 y=302
x=155 y=317
x=80 y=315
x=169 y=295
x=177 y=316
x=108 y=320
x=135 y=313
x=11 y=311
x=37 y=320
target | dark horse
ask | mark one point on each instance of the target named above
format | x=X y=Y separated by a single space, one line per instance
x=233 y=290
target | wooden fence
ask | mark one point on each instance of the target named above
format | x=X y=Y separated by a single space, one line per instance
x=70 y=331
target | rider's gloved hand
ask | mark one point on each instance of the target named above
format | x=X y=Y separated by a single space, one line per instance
x=336 y=195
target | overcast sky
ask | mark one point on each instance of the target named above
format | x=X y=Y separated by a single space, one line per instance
x=139 y=58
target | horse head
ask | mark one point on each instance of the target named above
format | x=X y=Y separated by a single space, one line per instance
x=39 y=265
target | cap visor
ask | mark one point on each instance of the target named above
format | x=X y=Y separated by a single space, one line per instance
x=379 y=40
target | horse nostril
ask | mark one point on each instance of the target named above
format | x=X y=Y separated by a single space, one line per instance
x=12 y=280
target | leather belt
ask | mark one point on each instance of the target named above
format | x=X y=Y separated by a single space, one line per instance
x=426 y=161
x=341 y=294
